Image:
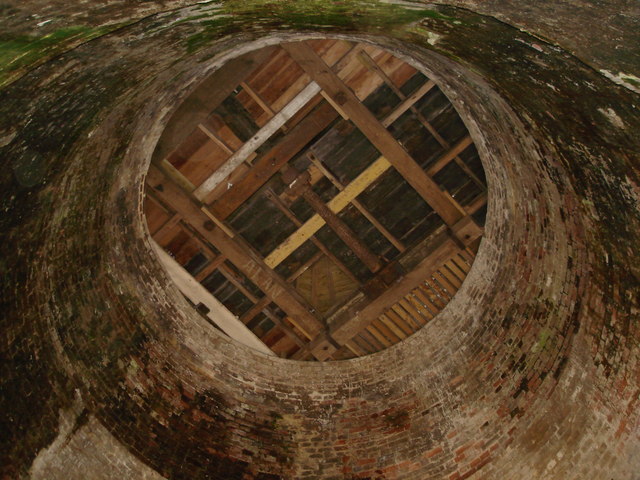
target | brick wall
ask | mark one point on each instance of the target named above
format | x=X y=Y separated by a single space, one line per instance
x=530 y=372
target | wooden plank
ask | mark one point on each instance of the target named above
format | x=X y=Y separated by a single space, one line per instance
x=419 y=308
x=424 y=299
x=377 y=134
x=270 y=163
x=346 y=234
x=218 y=313
x=240 y=254
x=406 y=316
x=204 y=99
x=392 y=327
x=339 y=202
x=257 y=140
x=393 y=317
x=356 y=203
x=379 y=336
x=386 y=331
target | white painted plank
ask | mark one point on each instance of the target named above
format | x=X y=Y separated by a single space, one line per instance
x=257 y=140
x=218 y=313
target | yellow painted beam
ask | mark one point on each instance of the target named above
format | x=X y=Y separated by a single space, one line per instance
x=338 y=203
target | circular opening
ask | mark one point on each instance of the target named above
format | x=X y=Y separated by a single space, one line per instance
x=317 y=200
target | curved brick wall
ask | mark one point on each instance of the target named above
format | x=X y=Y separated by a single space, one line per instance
x=530 y=372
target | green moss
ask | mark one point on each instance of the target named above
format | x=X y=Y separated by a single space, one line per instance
x=17 y=53
x=543 y=337
x=304 y=15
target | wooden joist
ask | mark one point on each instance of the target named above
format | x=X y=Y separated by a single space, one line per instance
x=257 y=140
x=377 y=134
x=357 y=204
x=408 y=102
x=343 y=231
x=275 y=199
x=237 y=252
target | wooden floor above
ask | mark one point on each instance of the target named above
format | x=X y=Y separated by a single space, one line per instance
x=325 y=192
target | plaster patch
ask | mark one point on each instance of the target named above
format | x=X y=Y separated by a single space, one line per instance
x=627 y=80
x=613 y=117
x=433 y=38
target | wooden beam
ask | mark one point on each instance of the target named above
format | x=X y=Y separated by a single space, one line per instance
x=212 y=266
x=409 y=102
x=162 y=235
x=339 y=202
x=257 y=307
x=258 y=99
x=356 y=203
x=267 y=165
x=371 y=261
x=237 y=252
x=218 y=313
x=257 y=140
x=378 y=135
x=289 y=146
x=449 y=155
